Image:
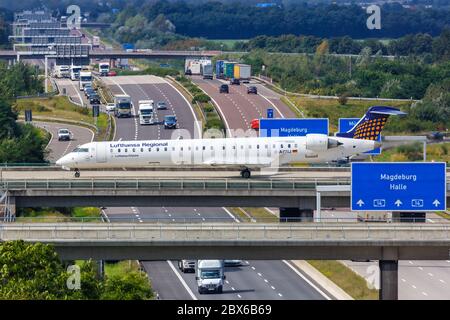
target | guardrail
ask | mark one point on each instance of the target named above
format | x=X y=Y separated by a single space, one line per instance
x=171 y=184
x=225 y=232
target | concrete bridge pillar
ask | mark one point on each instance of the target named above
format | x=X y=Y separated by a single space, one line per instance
x=388 y=279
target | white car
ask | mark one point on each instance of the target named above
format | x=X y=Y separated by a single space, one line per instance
x=110 y=107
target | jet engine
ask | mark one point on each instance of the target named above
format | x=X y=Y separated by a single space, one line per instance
x=320 y=142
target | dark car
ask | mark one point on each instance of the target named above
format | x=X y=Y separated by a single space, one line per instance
x=170 y=122
x=252 y=89
x=235 y=81
x=88 y=92
x=94 y=99
x=224 y=89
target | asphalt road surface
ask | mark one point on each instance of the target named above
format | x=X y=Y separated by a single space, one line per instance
x=56 y=149
x=163 y=275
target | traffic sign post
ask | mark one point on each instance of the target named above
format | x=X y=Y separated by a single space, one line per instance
x=398 y=186
x=345 y=124
x=28 y=116
x=292 y=127
x=269 y=113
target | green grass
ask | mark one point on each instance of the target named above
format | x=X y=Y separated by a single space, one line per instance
x=352 y=283
x=439 y=152
x=261 y=215
x=443 y=215
x=120 y=268
x=61 y=108
x=82 y=214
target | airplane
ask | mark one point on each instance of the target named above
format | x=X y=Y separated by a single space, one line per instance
x=242 y=152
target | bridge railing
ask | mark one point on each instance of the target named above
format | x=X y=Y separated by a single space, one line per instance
x=226 y=232
x=170 y=184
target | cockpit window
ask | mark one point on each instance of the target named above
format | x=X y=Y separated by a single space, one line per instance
x=81 y=150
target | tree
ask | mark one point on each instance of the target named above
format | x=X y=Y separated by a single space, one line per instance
x=8 y=126
x=323 y=48
x=132 y=286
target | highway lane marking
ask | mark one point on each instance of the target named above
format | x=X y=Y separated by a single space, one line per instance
x=403 y=280
x=265 y=280
x=259 y=274
x=232 y=288
x=253 y=268
x=425 y=294
x=227 y=282
x=182 y=280
x=199 y=130
x=430 y=274
x=273 y=104
x=273 y=288
x=410 y=262
x=441 y=280
x=448 y=261
x=239 y=296
x=429 y=220
x=307 y=281
x=414 y=287
x=420 y=268
x=280 y=294
x=231 y=215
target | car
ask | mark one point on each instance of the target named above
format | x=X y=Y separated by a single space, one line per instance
x=252 y=89
x=235 y=81
x=64 y=134
x=232 y=263
x=88 y=92
x=110 y=107
x=224 y=89
x=170 y=122
x=255 y=124
x=112 y=74
x=94 y=99
x=161 y=105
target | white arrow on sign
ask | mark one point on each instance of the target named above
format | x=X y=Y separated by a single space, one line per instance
x=436 y=203
x=398 y=203
x=360 y=203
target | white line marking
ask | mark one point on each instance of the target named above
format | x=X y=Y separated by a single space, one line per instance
x=259 y=274
x=265 y=280
x=410 y=262
x=182 y=280
x=309 y=282
x=430 y=274
x=239 y=296
x=420 y=268
x=425 y=294
x=273 y=288
x=227 y=282
x=230 y=214
x=253 y=268
x=403 y=280
x=232 y=288
x=273 y=104
x=280 y=294
x=441 y=280
x=414 y=286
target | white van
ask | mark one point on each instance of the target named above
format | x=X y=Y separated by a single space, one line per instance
x=209 y=276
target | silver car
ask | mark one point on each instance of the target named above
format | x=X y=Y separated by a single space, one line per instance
x=161 y=105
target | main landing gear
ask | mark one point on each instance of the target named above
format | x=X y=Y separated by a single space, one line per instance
x=245 y=173
x=77 y=173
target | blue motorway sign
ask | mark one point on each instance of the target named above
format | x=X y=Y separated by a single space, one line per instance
x=269 y=113
x=345 y=124
x=292 y=127
x=398 y=186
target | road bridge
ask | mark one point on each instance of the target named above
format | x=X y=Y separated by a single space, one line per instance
x=387 y=243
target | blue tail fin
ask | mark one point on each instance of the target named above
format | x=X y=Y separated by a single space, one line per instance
x=370 y=125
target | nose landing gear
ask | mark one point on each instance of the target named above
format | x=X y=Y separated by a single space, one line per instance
x=77 y=173
x=245 y=173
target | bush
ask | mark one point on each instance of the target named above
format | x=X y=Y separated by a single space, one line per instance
x=84 y=111
x=201 y=97
x=343 y=99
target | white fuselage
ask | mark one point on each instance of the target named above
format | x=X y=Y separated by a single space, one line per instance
x=230 y=151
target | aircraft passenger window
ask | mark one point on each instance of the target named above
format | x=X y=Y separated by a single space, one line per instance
x=134 y=150
x=257 y=146
x=165 y=148
x=142 y=149
x=234 y=147
x=126 y=150
x=196 y=148
x=281 y=146
x=212 y=148
x=118 y=150
x=149 y=149
x=242 y=147
x=223 y=147
x=111 y=150
x=289 y=146
x=157 y=149
x=295 y=146
x=267 y=147
x=181 y=149
x=249 y=146
x=189 y=148
x=173 y=148
x=204 y=148
x=273 y=146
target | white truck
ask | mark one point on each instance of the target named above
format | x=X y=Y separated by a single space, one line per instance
x=61 y=72
x=103 y=68
x=95 y=41
x=85 y=78
x=75 y=72
x=209 y=276
x=186 y=265
x=146 y=112
x=123 y=105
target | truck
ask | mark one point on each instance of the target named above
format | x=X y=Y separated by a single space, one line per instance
x=242 y=71
x=209 y=275
x=228 y=69
x=219 y=69
x=95 y=41
x=122 y=106
x=85 y=78
x=61 y=72
x=103 y=68
x=75 y=72
x=146 y=112
x=207 y=71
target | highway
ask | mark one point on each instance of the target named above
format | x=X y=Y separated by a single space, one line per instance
x=56 y=149
x=72 y=91
x=239 y=108
x=155 y=88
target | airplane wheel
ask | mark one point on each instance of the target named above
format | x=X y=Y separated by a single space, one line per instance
x=77 y=174
x=246 y=174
